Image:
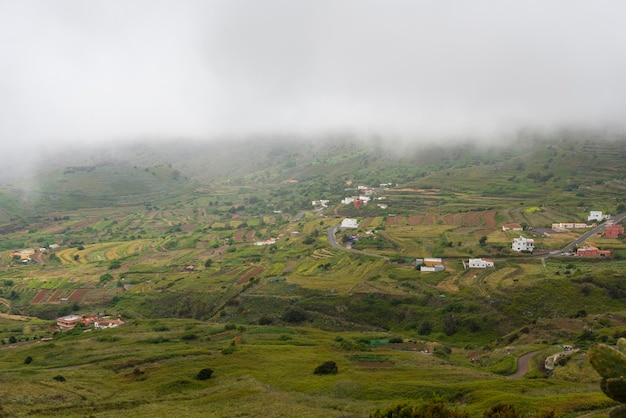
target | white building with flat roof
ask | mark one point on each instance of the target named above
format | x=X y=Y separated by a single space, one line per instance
x=479 y=263
x=349 y=223
x=523 y=244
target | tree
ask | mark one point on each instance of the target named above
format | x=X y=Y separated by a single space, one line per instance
x=482 y=241
x=425 y=328
x=12 y=339
x=208 y=263
x=329 y=367
x=295 y=315
x=204 y=374
x=28 y=360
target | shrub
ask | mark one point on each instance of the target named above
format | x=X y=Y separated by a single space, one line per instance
x=28 y=360
x=265 y=320
x=59 y=378
x=204 y=374
x=433 y=409
x=295 y=315
x=329 y=367
x=501 y=411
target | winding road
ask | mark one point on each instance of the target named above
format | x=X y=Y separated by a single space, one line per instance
x=522 y=365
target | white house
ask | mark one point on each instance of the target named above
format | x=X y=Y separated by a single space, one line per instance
x=479 y=263
x=349 y=223
x=523 y=244
x=595 y=215
x=347 y=200
x=321 y=202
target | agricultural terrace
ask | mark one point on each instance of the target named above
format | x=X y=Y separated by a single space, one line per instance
x=104 y=251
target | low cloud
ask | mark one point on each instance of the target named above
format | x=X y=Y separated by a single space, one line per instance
x=79 y=72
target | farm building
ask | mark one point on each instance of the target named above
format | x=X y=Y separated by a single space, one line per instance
x=479 y=263
x=438 y=267
x=107 y=323
x=564 y=226
x=429 y=264
x=613 y=231
x=512 y=227
x=349 y=223
x=591 y=251
x=69 y=321
x=523 y=244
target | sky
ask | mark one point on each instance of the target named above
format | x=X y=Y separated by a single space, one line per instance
x=74 y=72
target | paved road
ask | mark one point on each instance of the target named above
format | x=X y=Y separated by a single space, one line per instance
x=584 y=237
x=522 y=365
x=333 y=242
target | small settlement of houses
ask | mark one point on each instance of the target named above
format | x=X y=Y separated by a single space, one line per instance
x=611 y=230
x=68 y=322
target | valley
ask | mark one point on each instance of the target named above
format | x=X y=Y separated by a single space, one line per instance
x=224 y=258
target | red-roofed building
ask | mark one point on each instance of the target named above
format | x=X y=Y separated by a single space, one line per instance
x=591 y=251
x=613 y=231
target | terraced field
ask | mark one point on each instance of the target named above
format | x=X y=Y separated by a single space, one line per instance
x=104 y=251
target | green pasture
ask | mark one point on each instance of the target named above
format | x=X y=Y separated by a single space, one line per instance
x=151 y=364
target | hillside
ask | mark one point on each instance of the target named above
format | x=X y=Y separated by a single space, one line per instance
x=215 y=257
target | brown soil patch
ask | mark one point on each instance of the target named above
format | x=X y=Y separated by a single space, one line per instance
x=238 y=235
x=490 y=219
x=415 y=220
x=250 y=235
x=472 y=219
x=390 y=221
x=40 y=296
x=77 y=295
x=37 y=257
x=56 y=295
x=245 y=278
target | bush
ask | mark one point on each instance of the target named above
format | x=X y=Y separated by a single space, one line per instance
x=28 y=360
x=59 y=378
x=433 y=409
x=265 y=320
x=295 y=315
x=329 y=367
x=204 y=374
x=501 y=411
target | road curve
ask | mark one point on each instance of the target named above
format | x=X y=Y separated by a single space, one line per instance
x=522 y=365
x=333 y=242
